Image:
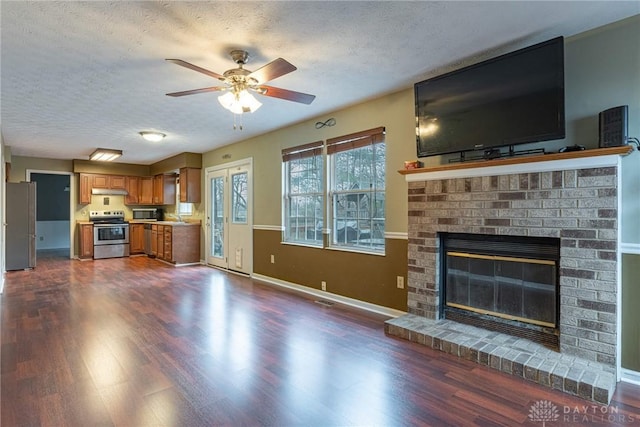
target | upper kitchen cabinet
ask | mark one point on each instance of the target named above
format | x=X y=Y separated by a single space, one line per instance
x=190 y=188
x=89 y=181
x=133 y=190
x=140 y=190
x=146 y=190
x=100 y=181
x=164 y=189
x=117 y=182
x=111 y=182
x=85 y=189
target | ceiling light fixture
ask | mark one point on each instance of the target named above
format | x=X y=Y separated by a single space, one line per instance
x=239 y=101
x=105 y=155
x=152 y=136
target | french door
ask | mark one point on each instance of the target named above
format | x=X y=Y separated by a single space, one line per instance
x=230 y=216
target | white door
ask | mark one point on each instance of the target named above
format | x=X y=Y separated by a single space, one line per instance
x=216 y=218
x=230 y=217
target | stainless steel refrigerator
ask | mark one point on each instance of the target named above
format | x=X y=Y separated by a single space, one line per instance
x=21 y=226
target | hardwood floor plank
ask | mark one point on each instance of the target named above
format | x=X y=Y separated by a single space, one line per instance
x=134 y=342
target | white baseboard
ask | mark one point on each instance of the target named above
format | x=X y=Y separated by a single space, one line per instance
x=630 y=376
x=374 y=308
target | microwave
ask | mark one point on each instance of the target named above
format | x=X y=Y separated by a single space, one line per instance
x=147 y=214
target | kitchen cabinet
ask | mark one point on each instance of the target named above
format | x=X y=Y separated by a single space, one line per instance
x=85 y=189
x=182 y=244
x=86 y=240
x=112 y=182
x=190 y=185
x=154 y=240
x=133 y=190
x=100 y=181
x=168 y=243
x=176 y=244
x=88 y=181
x=145 y=195
x=164 y=189
x=160 y=242
x=117 y=182
x=136 y=239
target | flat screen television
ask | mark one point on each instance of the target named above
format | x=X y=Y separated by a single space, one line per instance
x=512 y=99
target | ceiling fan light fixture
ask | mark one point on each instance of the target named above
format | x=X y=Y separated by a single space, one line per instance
x=240 y=102
x=105 y=155
x=152 y=136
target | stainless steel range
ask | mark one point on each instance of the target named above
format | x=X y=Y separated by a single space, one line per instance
x=110 y=234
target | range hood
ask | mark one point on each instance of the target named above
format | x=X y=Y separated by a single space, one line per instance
x=108 y=192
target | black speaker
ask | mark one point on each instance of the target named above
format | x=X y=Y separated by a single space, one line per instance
x=614 y=128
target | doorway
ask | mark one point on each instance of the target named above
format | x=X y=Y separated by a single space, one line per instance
x=54 y=231
x=229 y=213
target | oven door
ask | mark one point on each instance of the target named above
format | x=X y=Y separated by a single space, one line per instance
x=110 y=234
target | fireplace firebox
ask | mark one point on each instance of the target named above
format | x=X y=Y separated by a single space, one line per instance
x=508 y=284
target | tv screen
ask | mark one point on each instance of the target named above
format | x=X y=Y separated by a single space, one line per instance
x=513 y=99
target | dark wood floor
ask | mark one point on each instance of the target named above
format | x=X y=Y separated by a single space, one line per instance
x=134 y=342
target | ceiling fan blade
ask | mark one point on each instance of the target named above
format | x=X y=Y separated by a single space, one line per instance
x=272 y=70
x=194 y=91
x=196 y=68
x=289 y=95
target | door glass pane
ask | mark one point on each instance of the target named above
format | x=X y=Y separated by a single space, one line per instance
x=239 y=190
x=217 y=188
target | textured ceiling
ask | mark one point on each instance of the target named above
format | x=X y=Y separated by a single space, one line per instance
x=80 y=75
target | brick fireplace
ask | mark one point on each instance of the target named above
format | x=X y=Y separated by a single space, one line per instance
x=573 y=199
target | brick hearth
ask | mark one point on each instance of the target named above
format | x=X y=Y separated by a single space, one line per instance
x=573 y=199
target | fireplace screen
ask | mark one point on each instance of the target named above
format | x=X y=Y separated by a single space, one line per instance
x=498 y=277
x=515 y=288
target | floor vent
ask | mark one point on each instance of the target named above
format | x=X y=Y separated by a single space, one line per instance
x=324 y=302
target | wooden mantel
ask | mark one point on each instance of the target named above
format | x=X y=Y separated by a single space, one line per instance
x=520 y=164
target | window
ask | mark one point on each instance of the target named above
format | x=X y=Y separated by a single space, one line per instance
x=184 y=209
x=357 y=190
x=239 y=193
x=303 y=193
x=355 y=195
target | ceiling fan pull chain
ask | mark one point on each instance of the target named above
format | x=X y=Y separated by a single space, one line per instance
x=235 y=126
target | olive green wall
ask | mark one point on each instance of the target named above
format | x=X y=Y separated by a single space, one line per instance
x=182 y=160
x=395 y=112
x=630 y=312
x=603 y=71
x=19 y=166
x=370 y=278
x=112 y=168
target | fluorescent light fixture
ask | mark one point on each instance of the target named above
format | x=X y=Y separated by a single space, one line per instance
x=239 y=102
x=105 y=155
x=152 y=136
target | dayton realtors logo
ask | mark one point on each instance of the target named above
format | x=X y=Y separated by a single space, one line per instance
x=545 y=411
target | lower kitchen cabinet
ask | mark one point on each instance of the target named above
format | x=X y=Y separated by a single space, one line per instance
x=177 y=244
x=136 y=239
x=154 y=240
x=168 y=243
x=160 y=242
x=86 y=240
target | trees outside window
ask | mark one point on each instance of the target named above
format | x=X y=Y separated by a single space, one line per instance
x=355 y=193
x=358 y=190
x=304 y=194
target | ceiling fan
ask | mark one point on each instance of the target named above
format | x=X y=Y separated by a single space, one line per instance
x=239 y=81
